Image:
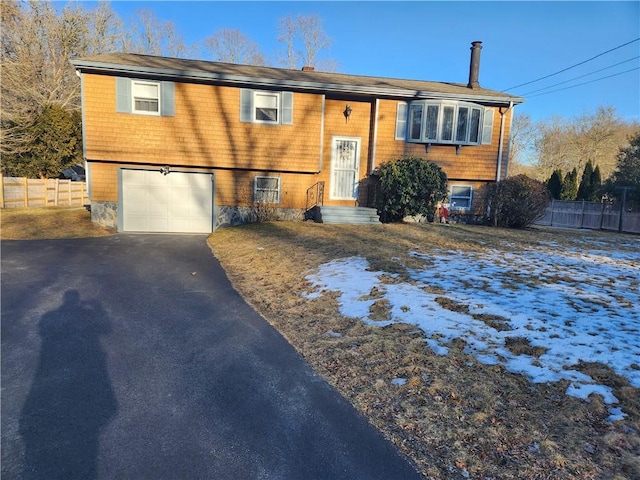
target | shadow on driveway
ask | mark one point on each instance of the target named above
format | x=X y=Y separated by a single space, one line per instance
x=71 y=398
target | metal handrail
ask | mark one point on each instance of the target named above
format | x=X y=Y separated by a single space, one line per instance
x=315 y=195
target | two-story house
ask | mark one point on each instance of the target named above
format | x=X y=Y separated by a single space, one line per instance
x=175 y=145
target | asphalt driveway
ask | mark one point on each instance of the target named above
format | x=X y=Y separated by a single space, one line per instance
x=132 y=357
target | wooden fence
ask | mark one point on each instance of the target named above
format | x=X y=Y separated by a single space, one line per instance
x=592 y=215
x=21 y=192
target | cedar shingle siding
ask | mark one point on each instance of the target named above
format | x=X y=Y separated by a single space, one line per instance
x=203 y=130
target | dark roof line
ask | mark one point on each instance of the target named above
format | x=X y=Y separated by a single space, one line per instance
x=200 y=70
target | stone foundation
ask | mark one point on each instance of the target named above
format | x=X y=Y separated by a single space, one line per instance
x=105 y=214
x=468 y=218
x=227 y=216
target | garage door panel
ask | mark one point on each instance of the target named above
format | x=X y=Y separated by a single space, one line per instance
x=135 y=195
x=180 y=224
x=158 y=224
x=155 y=178
x=180 y=209
x=137 y=223
x=178 y=202
x=157 y=211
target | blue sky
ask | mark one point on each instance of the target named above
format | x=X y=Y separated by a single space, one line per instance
x=522 y=41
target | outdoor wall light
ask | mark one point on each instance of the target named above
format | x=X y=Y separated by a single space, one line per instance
x=347 y=112
x=166 y=170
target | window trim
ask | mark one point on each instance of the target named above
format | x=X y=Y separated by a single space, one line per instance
x=254 y=111
x=248 y=106
x=452 y=206
x=134 y=110
x=278 y=191
x=402 y=119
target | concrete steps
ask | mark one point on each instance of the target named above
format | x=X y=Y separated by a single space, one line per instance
x=348 y=215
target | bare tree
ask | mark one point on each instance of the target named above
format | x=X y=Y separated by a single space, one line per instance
x=598 y=137
x=106 y=29
x=521 y=149
x=304 y=30
x=149 y=35
x=37 y=43
x=553 y=150
x=568 y=144
x=313 y=37
x=232 y=46
x=288 y=29
x=38 y=40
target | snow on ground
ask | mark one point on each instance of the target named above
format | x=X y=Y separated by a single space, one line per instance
x=580 y=304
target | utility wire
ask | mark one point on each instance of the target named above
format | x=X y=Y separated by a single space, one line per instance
x=572 y=66
x=585 y=83
x=581 y=76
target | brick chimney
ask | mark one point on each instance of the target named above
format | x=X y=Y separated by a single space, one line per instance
x=474 y=65
x=308 y=69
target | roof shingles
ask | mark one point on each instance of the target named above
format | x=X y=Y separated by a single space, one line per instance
x=163 y=67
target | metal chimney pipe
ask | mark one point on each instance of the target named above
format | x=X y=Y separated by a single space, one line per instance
x=474 y=66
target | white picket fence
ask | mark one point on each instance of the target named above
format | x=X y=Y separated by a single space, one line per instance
x=21 y=192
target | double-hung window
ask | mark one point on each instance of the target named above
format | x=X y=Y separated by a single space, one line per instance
x=446 y=122
x=266 y=107
x=266 y=189
x=146 y=97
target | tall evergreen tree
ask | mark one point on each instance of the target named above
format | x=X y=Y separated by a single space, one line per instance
x=596 y=183
x=554 y=184
x=585 y=190
x=570 y=186
x=627 y=173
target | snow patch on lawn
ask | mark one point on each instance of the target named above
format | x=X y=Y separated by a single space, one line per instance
x=573 y=304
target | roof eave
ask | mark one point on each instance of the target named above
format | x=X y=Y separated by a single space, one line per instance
x=104 y=67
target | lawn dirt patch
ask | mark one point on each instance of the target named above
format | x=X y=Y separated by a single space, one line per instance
x=451 y=415
x=48 y=223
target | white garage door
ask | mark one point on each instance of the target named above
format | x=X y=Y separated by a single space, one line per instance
x=179 y=202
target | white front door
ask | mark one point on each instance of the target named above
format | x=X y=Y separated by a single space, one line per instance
x=345 y=168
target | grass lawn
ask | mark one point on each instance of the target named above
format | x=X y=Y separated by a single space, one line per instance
x=49 y=222
x=453 y=415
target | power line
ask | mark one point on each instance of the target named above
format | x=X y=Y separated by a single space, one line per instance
x=572 y=66
x=585 y=83
x=581 y=76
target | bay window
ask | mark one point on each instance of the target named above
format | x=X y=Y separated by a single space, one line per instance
x=446 y=122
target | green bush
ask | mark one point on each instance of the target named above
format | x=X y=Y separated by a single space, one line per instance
x=516 y=202
x=55 y=143
x=409 y=186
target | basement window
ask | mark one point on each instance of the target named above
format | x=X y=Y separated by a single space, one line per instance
x=266 y=189
x=460 y=197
